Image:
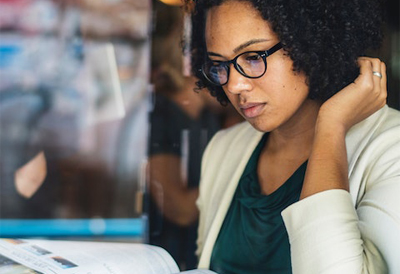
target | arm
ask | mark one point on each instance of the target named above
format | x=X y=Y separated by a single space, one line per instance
x=329 y=234
x=170 y=193
x=326 y=233
x=328 y=159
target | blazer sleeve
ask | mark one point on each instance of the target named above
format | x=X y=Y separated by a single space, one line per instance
x=330 y=233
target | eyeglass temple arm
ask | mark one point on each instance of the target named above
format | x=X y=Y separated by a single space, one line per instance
x=278 y=46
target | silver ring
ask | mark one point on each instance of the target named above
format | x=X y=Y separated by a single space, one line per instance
x=377 y=74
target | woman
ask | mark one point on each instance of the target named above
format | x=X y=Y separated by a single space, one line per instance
x=311 y=184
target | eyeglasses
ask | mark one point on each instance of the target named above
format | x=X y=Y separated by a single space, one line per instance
x=251 y=64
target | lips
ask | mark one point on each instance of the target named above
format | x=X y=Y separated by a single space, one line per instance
x=251 y=110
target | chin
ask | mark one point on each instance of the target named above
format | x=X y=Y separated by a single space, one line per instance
x=261 y=126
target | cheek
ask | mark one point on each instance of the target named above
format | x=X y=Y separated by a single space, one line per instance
x=282 y=69
x=300 y=87
x=287 y=93
x=295 y=95
x=294 y=85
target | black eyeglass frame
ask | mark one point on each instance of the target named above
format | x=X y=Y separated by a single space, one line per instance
x=262 y=53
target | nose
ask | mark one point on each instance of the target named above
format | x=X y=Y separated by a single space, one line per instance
x=237 y=83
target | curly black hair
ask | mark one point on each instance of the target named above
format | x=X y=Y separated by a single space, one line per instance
x=324 y=38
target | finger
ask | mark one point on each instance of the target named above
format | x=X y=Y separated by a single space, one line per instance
x=383 y=81
x=384 y=77
x=366 y=76
x=379 y=80
x=377 y=74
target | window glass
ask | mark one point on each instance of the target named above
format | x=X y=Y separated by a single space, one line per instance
x=74 y=100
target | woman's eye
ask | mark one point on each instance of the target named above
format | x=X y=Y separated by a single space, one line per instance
x=253 y=57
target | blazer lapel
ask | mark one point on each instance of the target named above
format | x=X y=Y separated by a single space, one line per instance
x=242 y=146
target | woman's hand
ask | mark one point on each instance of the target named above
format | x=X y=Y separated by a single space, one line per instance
x=358 y=100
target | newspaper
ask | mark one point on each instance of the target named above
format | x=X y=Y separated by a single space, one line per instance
x=73 y=257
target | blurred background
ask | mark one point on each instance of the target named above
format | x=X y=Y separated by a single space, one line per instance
x=101 y=133
x=74 y=102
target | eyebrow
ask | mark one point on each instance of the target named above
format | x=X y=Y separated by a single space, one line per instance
x=248 y=43
x=241 y=47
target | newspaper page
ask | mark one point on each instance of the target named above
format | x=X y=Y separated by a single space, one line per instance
x=70 y=257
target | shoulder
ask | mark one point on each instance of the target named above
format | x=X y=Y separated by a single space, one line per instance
x=161 y=103
x=382 y=129
x=385 y=119
x=374 y=157
x=375 y=181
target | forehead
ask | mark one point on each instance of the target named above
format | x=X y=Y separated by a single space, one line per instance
x=234 y=23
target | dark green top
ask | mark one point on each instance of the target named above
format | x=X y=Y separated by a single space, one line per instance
x=253 y=238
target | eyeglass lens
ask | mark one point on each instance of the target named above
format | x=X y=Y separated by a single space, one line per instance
x=249 y=64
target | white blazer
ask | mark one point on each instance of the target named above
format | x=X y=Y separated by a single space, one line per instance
x=335 y=231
